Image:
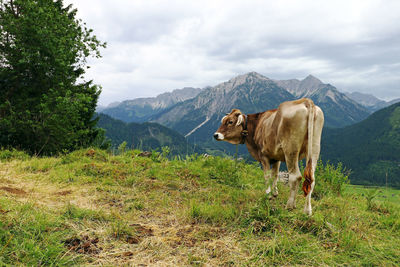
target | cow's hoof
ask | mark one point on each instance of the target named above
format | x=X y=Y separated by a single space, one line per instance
x=290 y=206
x=307 y=211
x=272 y=196
x=268 y=191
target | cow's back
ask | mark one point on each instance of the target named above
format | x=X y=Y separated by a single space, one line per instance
x=285 y=129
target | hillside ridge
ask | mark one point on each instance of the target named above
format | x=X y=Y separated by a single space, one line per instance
x=90 y=207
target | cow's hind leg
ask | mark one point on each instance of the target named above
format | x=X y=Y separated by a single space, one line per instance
x=309 y=174
x=307 y=206
x=294 y=179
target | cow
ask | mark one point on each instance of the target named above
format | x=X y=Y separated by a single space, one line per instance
x=288 y=134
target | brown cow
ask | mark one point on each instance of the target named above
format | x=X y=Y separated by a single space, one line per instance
x=287 y=134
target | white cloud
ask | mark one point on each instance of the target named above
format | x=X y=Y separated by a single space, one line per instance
x=157 y=46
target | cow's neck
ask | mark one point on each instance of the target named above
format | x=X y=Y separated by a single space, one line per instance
x=252 y=121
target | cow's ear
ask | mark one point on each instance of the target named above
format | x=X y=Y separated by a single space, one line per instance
x=240 y=120
x=222 y=120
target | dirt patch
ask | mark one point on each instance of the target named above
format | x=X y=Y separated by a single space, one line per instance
x=3 y=211
x=90 y=152
x=12 y=190
x=5 y=181
x=146 y=154
x=185 y=238
x=63 y=193
x=127 y=254
x=141 y=232
x=83 y=245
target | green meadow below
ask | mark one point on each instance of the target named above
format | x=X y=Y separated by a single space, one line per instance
x=93 y=208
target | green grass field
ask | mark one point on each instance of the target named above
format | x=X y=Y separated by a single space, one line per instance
x=92 y=208
x=382 y=193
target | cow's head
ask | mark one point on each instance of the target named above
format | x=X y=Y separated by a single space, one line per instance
x=231 y=127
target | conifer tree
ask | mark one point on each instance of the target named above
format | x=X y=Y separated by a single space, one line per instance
x=46 y=105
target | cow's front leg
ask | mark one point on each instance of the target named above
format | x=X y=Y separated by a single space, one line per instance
x=271 y=177
x=268 y=182
x=267 y=177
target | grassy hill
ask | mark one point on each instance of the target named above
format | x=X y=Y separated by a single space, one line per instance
x=371 y=148
x=92 y=208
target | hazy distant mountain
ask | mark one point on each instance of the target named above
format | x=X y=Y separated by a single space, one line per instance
x=99 y=108
x=371 y=148
x=141 y=109
x=367 y=100
x=394 y=101
x=371 y=102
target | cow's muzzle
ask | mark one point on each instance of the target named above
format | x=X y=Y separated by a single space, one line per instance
x=219 y=136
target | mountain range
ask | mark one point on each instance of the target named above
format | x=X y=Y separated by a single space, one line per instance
x=245 y=92
x=141 y=109
x=196 y=113
x=197 y=118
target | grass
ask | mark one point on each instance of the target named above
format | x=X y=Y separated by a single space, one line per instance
x=382 y=193
x=92 y=208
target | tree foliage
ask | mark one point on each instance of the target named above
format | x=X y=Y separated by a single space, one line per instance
x=370 y=149
x=46 y=106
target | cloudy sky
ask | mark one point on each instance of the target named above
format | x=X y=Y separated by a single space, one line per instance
x=157 y=46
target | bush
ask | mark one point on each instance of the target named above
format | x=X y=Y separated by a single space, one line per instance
x=6 y=155
x=330 y=179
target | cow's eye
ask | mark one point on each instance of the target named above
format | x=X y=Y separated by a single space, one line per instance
x=230 y=122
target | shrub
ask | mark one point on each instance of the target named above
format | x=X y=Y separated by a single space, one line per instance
x=6 y=155
x=330 y=179
x=370 y=195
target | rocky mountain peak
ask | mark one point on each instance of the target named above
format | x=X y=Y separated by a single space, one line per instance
x=311 y=79
x=302 y=88
x=249 y=77
x=309 y=85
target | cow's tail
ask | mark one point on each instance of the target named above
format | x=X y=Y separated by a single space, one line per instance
x=308 y=177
